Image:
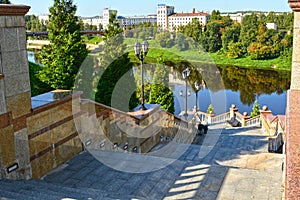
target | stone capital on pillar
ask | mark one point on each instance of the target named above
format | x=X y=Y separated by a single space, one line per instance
x=295 y=5
x=13 y=10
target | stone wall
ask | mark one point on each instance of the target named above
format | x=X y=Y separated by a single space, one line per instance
x=15 y=102
x=103 y=128
x=292 y=167
x=34 y=139
x=52 y=135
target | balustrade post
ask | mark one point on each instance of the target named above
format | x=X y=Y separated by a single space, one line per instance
x=245 y=117
x=233 y=109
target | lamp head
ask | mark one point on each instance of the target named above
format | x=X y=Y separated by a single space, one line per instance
x=197 y=85
x=145 y=46
x=186 y=73
x=137 y=48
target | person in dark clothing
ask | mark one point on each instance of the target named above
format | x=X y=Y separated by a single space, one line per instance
x=200 y=127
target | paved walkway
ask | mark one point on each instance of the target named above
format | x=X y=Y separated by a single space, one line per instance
x=228 y=164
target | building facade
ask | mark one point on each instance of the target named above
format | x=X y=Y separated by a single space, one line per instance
x=106 y=14
x=95 y=21
x=163 y=12
x=178 y=19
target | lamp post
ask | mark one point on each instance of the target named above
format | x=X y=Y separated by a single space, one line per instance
x=185 y=75
x=141 y=51
x=197 y=86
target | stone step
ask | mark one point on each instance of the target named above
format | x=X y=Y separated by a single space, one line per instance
x=44 y=190
x=9 y=195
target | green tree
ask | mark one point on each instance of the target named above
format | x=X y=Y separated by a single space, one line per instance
x=230 y=34
x=215 y=15
x=211 y=40
x=255 y=109
x=193 y=30
x=115 y=65
x=64 y=55
x=234 y=50
x=5 y=2
x=181 y=42
x=164 y=39
x=248 y=31
x=210 y=109
x=160 y=92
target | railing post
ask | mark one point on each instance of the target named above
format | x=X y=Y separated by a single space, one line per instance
x=233 y=109
x=245 y=117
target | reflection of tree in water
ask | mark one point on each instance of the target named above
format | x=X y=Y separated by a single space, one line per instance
x=252 y=82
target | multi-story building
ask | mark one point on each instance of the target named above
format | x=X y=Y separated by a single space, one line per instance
x=178 y=19
x=95 y=21
x=163 y=12
x=136 y=20
x=106 y=14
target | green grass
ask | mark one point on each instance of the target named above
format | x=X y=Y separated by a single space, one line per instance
x=197 y=56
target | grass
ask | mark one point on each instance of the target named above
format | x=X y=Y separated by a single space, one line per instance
x=196 y=56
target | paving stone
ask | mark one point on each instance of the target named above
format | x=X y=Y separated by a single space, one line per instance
x=224 y=167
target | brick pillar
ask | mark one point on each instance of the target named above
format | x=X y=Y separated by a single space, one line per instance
x=15 y=98
x=292 y=186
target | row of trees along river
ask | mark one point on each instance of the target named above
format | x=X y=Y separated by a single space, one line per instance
x=224 y=40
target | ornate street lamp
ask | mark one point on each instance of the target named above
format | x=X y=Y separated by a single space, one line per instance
x=197 y=86
x=185 y=75
x=141 y=51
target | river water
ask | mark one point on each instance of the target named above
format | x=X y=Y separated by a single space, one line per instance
x=239 y=86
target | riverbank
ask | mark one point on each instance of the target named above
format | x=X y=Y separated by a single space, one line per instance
x=196 y=55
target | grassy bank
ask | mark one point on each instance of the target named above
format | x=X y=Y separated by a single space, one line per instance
x=197 y=56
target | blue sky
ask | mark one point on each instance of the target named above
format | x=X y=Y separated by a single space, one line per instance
x=88 y=8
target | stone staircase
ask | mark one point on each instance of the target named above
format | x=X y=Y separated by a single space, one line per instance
x=39 y=189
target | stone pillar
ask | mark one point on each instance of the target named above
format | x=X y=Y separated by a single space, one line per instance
x=15 y=98
x=245 y=117
x=233 y=109
x=292 y=167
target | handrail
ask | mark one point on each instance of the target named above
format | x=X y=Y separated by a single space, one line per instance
x=220 y=118
x=254 y=121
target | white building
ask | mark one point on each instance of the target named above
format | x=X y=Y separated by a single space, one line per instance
x=271 y=26
x=163 y=12
x=106 y=14
x=95 y=21
x=178 y=19
x=236 y=17
x=136 y=20
x=43 y=18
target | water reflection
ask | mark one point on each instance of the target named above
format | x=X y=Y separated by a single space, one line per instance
x=241 y=86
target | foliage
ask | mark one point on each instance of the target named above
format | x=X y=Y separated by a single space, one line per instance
x=234 y=50
x=255 y=109
x=230 y=34
x=115 y=65
x=248 y=31
x=37 y=86
x=164 y=39
x=5 y=2
x=181 y=42
x=210 y=109
x=257 y=51
x=33 y=24
x=64 y=55
x=193 y=30
x=211 y=40
x=160 y=93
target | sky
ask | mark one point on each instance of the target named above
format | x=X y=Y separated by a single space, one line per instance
x=89 y=8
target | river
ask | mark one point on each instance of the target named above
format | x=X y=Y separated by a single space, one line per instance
x=240 y=87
